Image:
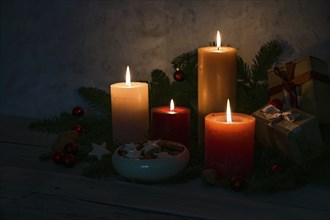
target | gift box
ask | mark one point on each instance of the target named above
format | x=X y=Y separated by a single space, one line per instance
x=293 y=131
x=304 y=84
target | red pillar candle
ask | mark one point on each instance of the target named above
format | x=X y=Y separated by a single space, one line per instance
x=229 y=145
x=170 y=123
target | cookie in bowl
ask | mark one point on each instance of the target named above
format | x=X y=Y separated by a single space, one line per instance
x=150 y=161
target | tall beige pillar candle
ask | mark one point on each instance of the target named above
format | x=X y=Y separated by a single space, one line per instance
x=130 y=110
x=217 y=67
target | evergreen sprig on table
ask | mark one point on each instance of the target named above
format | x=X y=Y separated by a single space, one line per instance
x=252 y=81
x=252 y=93
x=97 y=99
x=96 y=124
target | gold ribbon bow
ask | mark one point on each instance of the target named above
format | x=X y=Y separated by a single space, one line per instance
x=274 y=115
x=288 y=84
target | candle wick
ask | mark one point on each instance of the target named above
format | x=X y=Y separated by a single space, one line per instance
x=218 y=48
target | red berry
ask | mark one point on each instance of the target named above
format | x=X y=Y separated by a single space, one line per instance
x=179 y=75
x=78 y=128
x=276 y=103
x=57 y=157
x=70 y=148
x=77 y=111
x=275 y=169
x=69 y=160
x=237 y=183
x=276 y=69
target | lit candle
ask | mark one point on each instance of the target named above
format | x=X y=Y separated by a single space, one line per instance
x=216 y=81
x=170 y=123
x=130 y=110
x=229 y=143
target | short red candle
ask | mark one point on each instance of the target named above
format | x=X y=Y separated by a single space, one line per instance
x=172 y=125
x=229 y=146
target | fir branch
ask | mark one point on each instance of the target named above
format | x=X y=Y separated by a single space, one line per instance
x=160 y=79
x=97 y=129
x=186 y=61
x=243 y=71
x=98 y=99
x=252 y=87
x=186 y=91
x=265 y=58
x=290 y=179
x=99 y=168
x=160 y=88
x=54 y=125
x=251 y=95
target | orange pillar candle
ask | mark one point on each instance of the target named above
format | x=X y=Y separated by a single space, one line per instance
x=171 y=123
x=130 y=110
x=229 y=145
x=216 y=81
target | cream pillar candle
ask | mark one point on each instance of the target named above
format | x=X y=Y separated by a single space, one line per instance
x=130 y=110
x=216 y=81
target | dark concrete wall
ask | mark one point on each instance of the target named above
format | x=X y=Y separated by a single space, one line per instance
x=50 y=48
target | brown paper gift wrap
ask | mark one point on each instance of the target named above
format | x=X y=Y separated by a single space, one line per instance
x=309 y=81
x=293 y=138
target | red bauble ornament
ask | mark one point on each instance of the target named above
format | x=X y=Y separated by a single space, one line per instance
x=70 y=148
x=58 y=157
x=178 y=75
x=276 y=168
x=78 y=128
x=69 y=160
x=276 y=103
x=237 y=183
x=77 y=111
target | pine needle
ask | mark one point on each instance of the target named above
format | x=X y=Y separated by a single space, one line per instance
x=98 y=99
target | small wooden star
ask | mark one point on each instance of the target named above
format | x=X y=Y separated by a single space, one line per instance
x=99 y=150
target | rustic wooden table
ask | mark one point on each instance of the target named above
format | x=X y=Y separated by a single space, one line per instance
x=30 y=189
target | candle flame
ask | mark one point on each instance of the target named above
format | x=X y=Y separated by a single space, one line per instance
x=172 y=105
x=218 y=40
x=128 y=77
x=228 y=112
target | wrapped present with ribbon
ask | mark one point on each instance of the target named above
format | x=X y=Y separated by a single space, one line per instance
x=293 y=131
x=303 y=84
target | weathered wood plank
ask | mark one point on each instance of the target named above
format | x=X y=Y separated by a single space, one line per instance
x=18 y=155
x=27 y=157
x=16 y=130
x=191 y=200
x=31 y=189
x=52 y=207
